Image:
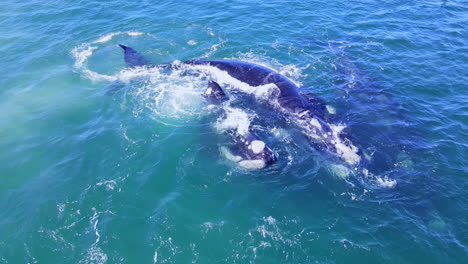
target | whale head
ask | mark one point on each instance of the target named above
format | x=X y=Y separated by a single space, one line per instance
x=250 y=152
x=329 y=137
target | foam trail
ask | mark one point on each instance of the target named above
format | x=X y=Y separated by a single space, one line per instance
x=83 y=52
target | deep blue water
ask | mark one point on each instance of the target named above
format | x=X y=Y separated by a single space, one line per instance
x=137 y=176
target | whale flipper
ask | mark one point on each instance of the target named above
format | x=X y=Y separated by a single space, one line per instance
x=133 y=58
x=214 y=93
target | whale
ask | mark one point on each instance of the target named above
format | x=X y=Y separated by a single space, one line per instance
x=247 y=149
x=306 y=112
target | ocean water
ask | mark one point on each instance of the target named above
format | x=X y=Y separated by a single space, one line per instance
x=137 y=175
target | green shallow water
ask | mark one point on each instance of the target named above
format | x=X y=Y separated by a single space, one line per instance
x=137 y=176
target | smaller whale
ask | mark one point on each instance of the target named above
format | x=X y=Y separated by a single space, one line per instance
x=247 y=149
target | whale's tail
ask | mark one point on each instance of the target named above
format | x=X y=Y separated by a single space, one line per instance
x=133 y=58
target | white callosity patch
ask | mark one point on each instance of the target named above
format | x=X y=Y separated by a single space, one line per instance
x=331 y=110
x=314 y=122
x=252 y=164
x=229 y=155
x=244 y=163
x=257 y=146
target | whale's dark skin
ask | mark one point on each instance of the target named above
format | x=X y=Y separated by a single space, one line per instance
x=306 y=113
x=133 y=58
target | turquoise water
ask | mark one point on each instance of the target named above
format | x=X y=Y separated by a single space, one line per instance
x=138 y=176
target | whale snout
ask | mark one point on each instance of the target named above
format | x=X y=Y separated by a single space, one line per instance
x=269 y=156
x=251 y=154
x=259 y=151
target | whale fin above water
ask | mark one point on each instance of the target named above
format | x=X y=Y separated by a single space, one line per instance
x=214 y=93
x=133 y=58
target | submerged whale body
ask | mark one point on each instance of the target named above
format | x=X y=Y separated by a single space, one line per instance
x=305 y=113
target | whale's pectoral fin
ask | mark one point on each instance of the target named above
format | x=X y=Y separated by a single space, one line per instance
x=214 y=93
x=133 y=58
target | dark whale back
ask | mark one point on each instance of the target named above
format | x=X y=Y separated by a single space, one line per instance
x=257 y=75
x=252 y=74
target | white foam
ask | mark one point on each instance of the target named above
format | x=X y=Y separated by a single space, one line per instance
x=109 y=36
x=340 y=171
x=270 y=220
x=235 y=119
x=81 y=55
x=348 y=153
x=110 y=184
x=386 y=182
x=83 y=52
x=95 y=255
x=172 y=98
x=293 y=72
x=130 y=74
x=346 y=150
x=213 y=48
